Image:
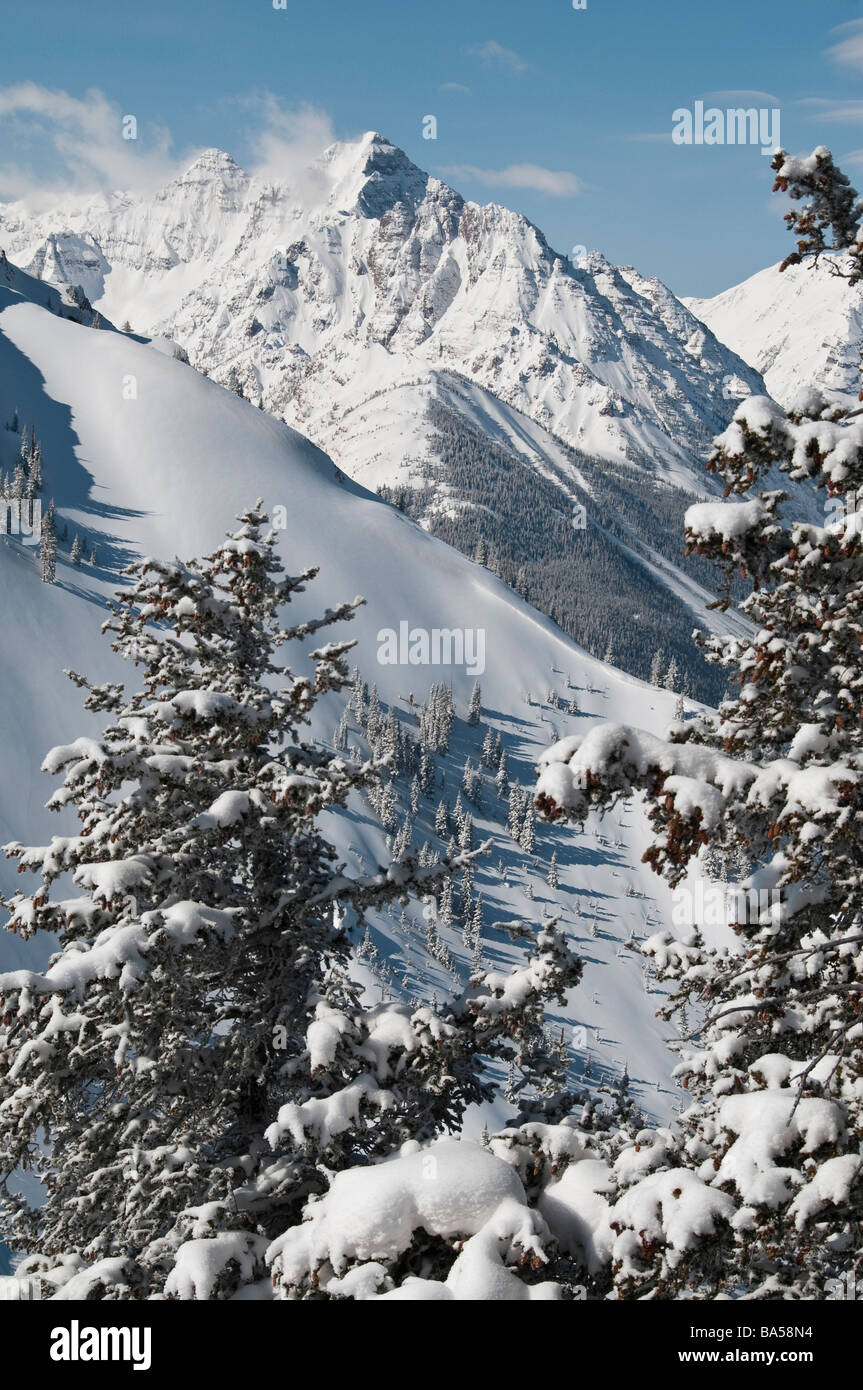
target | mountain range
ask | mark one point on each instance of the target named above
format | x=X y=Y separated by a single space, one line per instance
x=403 y=328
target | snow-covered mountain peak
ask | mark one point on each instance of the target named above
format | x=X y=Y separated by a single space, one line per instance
x=363 y=273
x=213 y=185
x=372 y=175
x=800 y=327
x=210 y=166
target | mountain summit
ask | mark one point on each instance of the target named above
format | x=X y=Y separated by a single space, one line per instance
x=797 y=326
x=314 y=294
x=440 y=350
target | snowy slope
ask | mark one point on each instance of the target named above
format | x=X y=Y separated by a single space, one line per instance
x=164 y=472
x=799 y=328
x=369 y=274
x=389 y=439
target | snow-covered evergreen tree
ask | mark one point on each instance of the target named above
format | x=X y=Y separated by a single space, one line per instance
x=226 y=1055
x=386 y=807
x=474 y=709
x=446 y=910
x=769 y=1150
x=476 y=960
x=48 y=546
x=830 y=217
x=487 y=754
x=437 y=717
x=516 y=810
x=553 y=877
x=501 y=780
x=402 y=841
x=527 y=836
x=194 y=1063
x=452 y=1219
x=426 y=771
x=467 y=779
x=374 y=714
x=358 y=696
x=340 y=737
x=476 y=919
x=465 y=900
x=34 y=469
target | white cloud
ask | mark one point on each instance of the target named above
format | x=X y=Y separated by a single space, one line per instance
x=83 y=139
x=849 y=50
x=743 y=96
x=455 y=87
x=69 y=145
x=493 y=54
x=557 y=183
x=284 y=143
x=835 y=109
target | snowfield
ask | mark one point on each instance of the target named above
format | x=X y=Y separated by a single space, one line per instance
x=143 y=456
x=799 y=327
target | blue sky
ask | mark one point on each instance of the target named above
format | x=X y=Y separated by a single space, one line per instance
x=562 y=114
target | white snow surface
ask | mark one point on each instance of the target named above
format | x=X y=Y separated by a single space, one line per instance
x=451 y=1189
x=799 y=328
x=163 y=472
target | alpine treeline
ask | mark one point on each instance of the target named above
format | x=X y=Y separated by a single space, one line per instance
x=584 y=559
